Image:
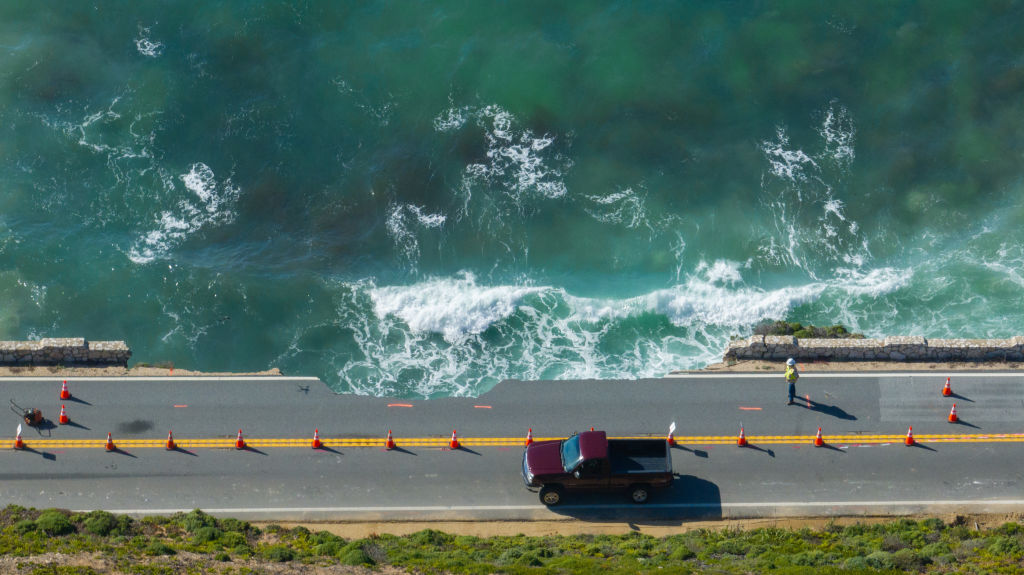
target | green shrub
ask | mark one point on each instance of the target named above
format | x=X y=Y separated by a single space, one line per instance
x=53 y=523
x=232 y=539
x=354 y=554
x=509 y=556
x=803 y=333
x=934 y=549
x=1006 y=546
x=100 y=523
x=25 y=526
x=195 y=520
x=431 y=538
x=231 y=524
x=907 y=560
x=811 y=558
x=299 y=531
x=159 y=548
x=242 y=550
x=329 y=549
x=278 y=553
x=206 y=535
x=856 y=564
x=892 y=542
x=530 y=559
x=880 y=560
x=222 y=557
x=682 y=553
x=1009 y=528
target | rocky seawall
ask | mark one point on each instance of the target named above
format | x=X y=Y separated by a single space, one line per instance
x=901 y=348
x=64 y=351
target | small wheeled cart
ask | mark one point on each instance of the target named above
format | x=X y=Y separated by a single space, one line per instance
x=32 y=416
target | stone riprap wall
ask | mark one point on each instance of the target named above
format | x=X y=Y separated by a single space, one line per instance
x=64 y=351
x=780 y=347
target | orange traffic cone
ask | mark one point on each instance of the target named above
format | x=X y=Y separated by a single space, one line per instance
x=239 y=442
x=671 y=439
x=171 y=446
x=818 y=441
x=390 y=443
x=591 y=429
x=63 y=419
x=529 y=436
x=910 y=436
x=947 y=391
x=110 y=443
x=741 y=441
x=64 y=393
x=316 y=439
x=454 y=443
x=952 y=415
x=18 y=443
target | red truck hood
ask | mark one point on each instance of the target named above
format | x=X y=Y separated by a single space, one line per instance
x=544 y=457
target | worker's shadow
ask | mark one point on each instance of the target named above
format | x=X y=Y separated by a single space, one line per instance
x=826 y=409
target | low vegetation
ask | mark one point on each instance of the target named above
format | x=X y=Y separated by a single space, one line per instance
x=198 y=543
x=798 y=330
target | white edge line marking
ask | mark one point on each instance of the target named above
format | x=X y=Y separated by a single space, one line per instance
x=816 y=374
x=753 y=505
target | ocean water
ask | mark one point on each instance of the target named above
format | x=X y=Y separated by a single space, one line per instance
x=424 y=198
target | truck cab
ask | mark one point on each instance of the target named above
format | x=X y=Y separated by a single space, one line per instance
x=589 y=461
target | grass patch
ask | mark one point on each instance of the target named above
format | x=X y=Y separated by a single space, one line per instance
x=155 y=544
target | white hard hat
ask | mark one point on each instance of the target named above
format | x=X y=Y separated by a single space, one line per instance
x=790 y=361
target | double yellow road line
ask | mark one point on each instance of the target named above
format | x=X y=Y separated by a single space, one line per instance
x=443 y=442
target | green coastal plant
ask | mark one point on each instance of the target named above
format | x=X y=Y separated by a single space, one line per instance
x=155 y=545
x=798 y=330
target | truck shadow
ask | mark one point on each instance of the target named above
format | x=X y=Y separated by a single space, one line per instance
x=688 y=499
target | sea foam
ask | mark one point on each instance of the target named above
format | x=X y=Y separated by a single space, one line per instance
x=210 y=204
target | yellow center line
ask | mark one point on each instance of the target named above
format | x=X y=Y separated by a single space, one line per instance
x=443 y=442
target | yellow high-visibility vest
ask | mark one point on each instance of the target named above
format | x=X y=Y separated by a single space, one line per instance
x=791 y=374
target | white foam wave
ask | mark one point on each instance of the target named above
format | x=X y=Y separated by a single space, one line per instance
x=400 y=224
x=146 y=46
x=211 y=205
x=490 y=333
x=785 y=163
x=451 y=119
x=519 y=163
x=838 y=132
x=454 y=307
x=722 y=271
x=624 y=207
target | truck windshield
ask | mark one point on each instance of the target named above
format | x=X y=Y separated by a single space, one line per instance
x=571 y=453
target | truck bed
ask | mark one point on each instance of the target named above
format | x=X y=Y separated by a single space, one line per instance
x=638 y=456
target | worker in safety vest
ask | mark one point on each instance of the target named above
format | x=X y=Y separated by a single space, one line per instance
x=791 y=376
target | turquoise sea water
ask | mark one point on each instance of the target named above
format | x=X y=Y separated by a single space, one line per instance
x=424 y=198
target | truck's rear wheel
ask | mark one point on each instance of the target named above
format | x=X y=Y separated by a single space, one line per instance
x=551 y=495
x=639 y=493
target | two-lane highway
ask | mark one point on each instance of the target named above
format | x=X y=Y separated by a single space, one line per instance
x=865 y=468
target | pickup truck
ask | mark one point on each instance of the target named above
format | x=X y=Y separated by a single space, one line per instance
x=591 y=461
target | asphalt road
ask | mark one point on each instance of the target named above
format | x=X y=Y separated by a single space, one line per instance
x=970 y=466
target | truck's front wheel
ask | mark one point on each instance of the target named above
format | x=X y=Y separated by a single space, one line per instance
x=551 y=495
x=639 y=493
